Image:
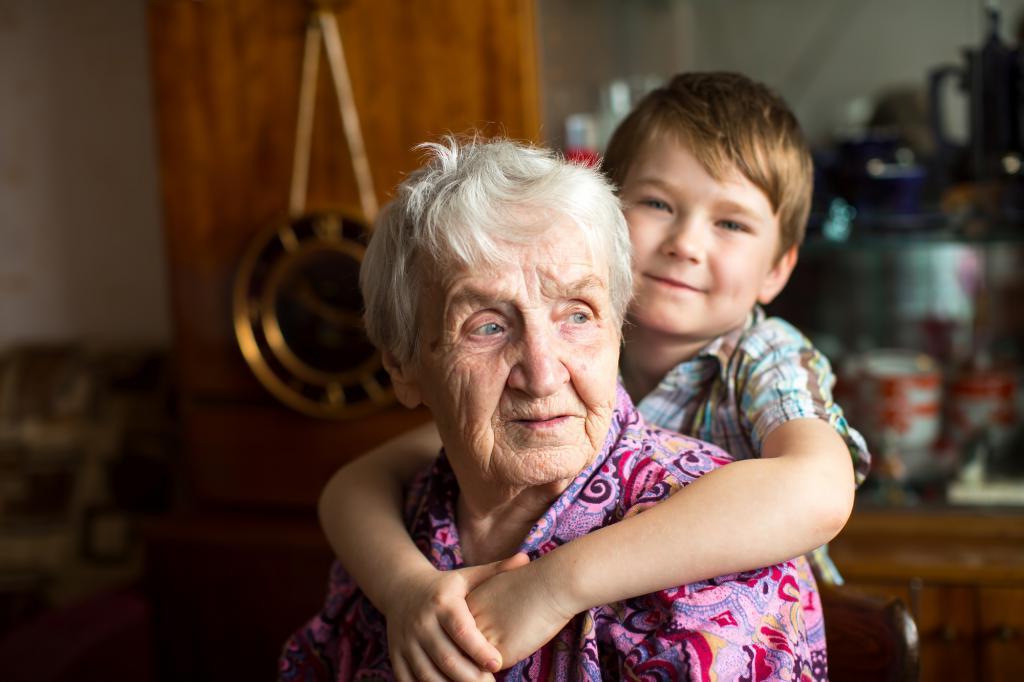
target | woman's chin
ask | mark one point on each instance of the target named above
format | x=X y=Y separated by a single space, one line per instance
x=542 y=466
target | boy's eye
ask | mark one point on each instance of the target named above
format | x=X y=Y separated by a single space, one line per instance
x=732 y=225
x=488 y=329
x=656 y=204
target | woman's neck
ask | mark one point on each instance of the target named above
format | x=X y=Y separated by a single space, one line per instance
x=648 y=356
x=492 y=526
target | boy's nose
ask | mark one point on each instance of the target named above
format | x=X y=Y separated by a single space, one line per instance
x=686 y=240
x=539 y=370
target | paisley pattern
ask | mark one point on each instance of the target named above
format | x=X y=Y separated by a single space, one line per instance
x=757 y=625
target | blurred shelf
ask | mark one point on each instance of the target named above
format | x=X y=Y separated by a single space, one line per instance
x=904 y=232
x=936 y=543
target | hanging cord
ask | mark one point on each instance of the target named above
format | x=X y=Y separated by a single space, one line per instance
x=349 y=116
x=323 y=24
x=304 y=127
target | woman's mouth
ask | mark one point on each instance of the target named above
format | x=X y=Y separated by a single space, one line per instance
x=541 y=423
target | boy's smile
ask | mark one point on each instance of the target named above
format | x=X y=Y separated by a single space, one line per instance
x=674 y=284
x=704 y=249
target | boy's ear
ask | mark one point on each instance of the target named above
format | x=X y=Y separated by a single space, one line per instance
x=777 y=277
x=403 y=379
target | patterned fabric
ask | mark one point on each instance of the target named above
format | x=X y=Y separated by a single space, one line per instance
x=758 y=625
x=744 y=384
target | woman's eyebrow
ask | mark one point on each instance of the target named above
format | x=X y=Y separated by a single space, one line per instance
x=470 y=297
x=577 y=288
x=474 y=297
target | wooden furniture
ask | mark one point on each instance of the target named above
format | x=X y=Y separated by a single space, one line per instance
x=103 y=637
x=227 y=591
x=960 y=571
x=247 y=564
x=868 y=637
x=226 y=79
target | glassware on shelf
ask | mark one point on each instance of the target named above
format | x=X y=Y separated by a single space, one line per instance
x=581 y=139
x=952 y=295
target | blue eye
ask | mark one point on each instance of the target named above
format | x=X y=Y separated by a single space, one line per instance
x=656 y=204
x=579 y=317
x=732 y=225
x=489 y=329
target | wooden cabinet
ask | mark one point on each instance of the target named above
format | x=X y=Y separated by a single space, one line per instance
x=1001 y=631
x=227 y=589
x=226 y=77
x=962 y=575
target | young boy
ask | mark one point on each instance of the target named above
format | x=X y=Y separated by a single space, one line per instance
x=715 y=179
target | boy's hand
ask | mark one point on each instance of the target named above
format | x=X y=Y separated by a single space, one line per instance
x=520 y=611
x=431 y=632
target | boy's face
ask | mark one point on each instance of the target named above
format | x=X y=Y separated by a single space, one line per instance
x=704 y=250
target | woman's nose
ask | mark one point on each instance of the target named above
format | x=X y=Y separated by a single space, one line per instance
x=540 y=370
x=686 y=239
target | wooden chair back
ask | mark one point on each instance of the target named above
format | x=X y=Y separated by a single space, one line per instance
x=868 y=637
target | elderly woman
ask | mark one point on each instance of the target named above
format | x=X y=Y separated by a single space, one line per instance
x=495 y=286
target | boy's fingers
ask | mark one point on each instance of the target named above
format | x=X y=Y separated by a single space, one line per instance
x=517 y=560
x=461 y=627
x=422 y=668
x=475 y=575
x=454 y=664
x=401 y=670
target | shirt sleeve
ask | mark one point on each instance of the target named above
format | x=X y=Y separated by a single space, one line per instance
x=783 y=377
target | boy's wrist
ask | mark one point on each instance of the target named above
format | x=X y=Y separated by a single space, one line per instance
x=564 y=574
x=585 y=576
x=397 y=583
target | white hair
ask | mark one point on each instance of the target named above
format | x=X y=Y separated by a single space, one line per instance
x=460 y=208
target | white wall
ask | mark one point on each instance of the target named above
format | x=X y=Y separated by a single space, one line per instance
x=585 y=44
x=819 y=54
x=81 y=248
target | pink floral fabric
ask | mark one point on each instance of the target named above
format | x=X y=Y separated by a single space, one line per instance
x=758 y=625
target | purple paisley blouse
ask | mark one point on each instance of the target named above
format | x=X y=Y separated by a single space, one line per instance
x=764 y=624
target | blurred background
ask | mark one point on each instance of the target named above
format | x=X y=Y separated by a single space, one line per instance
x=173 y=395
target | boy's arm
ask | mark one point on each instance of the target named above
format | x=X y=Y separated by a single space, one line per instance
x=361 y=515
x=748 y=514
x=751 y=513
x=745 y=515
x=361 y=511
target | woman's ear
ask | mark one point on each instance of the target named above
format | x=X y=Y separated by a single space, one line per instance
x=404 y=380
x=777 y=277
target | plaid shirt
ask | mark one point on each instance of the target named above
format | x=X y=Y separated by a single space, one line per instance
x=743 y=385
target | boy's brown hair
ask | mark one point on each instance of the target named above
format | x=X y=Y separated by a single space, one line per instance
x=726 y=118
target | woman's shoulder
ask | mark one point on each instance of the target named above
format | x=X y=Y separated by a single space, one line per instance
x=652 y=462
x=684 y=456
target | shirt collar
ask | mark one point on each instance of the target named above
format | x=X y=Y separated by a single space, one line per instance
x=722 y=347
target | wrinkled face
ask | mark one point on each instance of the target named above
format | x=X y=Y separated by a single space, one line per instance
x=704 y=250
x=518 y=363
